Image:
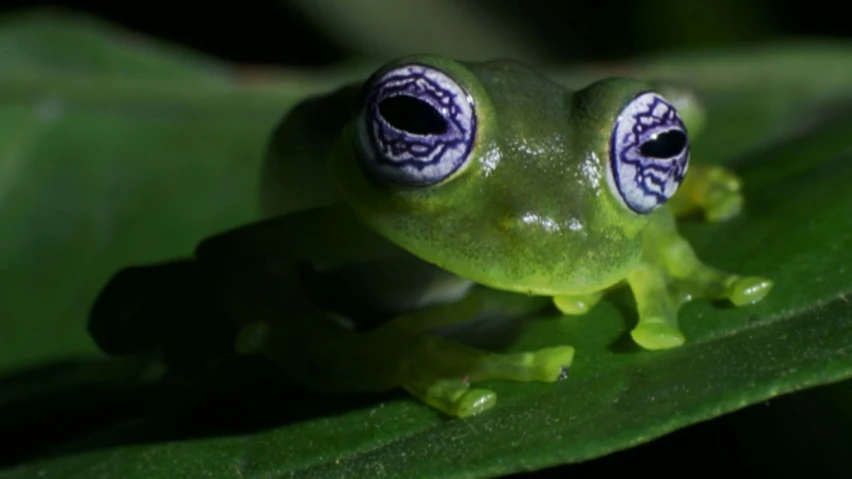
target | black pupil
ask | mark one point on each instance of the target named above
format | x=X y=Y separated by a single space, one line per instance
x=411 y=115
x=665 y=145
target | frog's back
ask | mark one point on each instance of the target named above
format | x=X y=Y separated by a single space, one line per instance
x=295 y=176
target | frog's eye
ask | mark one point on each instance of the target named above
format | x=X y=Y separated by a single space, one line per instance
x=417 y=126
x=648 y=154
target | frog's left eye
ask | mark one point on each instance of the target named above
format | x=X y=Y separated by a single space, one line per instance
x=417 y=126
x=649 y=153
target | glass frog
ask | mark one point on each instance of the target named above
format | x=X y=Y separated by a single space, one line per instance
x=395 y=201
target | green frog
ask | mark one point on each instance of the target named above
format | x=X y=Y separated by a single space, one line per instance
x=398 y=202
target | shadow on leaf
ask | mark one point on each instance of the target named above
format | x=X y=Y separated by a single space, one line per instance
x=173 y=376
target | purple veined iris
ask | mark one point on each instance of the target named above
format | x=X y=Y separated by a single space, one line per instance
x=648 y=154
x=417 y=126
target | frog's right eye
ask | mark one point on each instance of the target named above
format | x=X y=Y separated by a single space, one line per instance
x=417 y=126
x=649 y=153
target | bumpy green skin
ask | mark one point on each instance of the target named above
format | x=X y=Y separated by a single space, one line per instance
x=532 y=214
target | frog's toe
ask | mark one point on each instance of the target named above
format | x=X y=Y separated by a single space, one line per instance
x=545 y=365
x=724 y=207
x=552 y=364
x=453 y=397
x=472 y=402
x=724 y=199
x=748 y=290
x=655 y=336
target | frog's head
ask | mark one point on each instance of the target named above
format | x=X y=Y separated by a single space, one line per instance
x=496 y=173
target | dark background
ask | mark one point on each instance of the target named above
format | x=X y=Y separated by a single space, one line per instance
x=279 y=32
x=795 y=434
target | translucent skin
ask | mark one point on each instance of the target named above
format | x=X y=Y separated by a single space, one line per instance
x=532 y=212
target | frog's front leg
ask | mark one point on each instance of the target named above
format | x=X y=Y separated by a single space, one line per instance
x=711 y=189
x=439 y=372
x=657 y=307
x=670 y=274
x=256 y=276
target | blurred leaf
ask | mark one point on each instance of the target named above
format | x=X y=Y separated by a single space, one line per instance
x=100 y=171
x=31 y=47
x=687 y=25
x=81 y=191
x=389 y=28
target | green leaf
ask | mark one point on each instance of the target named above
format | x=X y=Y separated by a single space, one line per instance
x=95 y=135
x=134 y=157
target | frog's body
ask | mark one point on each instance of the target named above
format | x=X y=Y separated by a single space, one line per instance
x=389 y=202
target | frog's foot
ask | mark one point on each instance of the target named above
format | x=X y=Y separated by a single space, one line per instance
x=655 y=333
x=660 y=331
x=454 y=396
x=659 y=297
x=675 y=275
x=577 y=304
x=712 y=189
x=744 y=290
x=658 y=326
x=545 y=365
x=438 y=358
x=703 y=281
